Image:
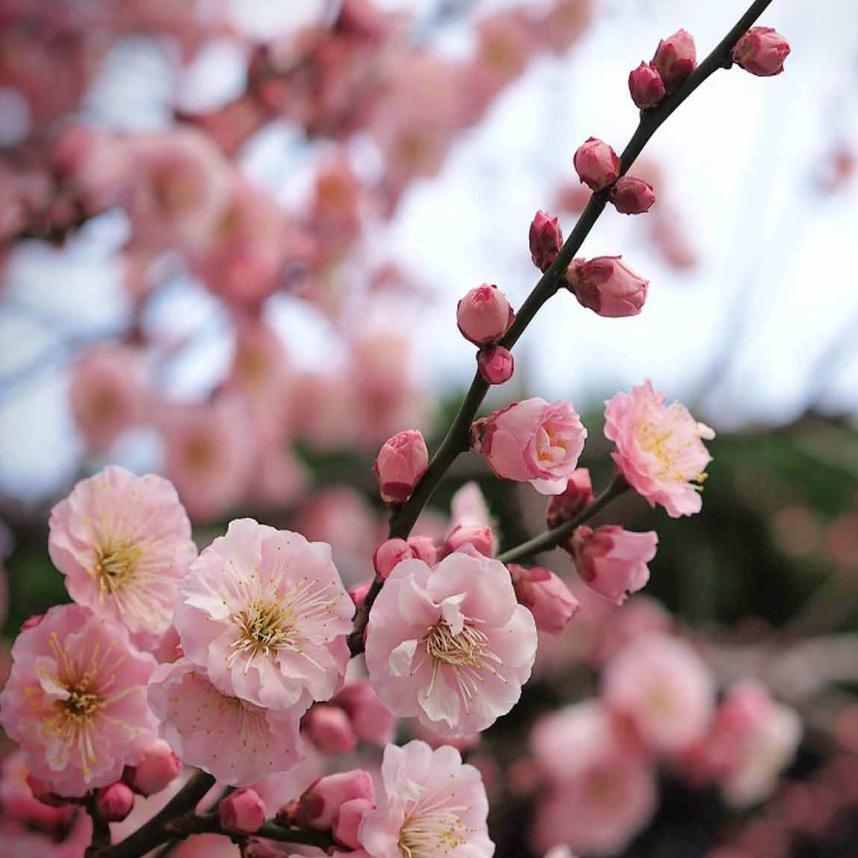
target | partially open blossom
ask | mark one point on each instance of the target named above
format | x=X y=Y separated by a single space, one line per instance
x=158 y=767
x=665 y=689
x=484 y=315
x=597 y=164
x=658 y=448
x=266 y=614
x=478 y=536
x=546 y=239
x=496 y=364
x=613 y=561
x=318 y=805
x=631 y=195
x=761 y=51
x=123 y=543
x=329 y=729
x=607 y=286
x=75 y=700
x=577 y=496
x=369 y=718
x=432 y=805
x=545 y=596
x=646 y=86
x=242 y=811
x=452 y=645
x=400 y=465
x=533 y=441
x=675 y=58
x=235 y=741
x=113 y=803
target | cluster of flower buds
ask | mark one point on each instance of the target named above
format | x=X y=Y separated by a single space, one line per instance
x=598 y=167
x=484 y=315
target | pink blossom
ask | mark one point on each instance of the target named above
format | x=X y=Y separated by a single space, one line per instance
x=607 y=286
x=533 y=441
x=662 y=685
x=106 y=394
x=496 y=364
x=123 y=542
x=265 y=613
x=631 y=195
x=242 y=811
x=208 y=457
x=235 y=741
x=576 y=497
x=76 y=700
x=761 y=51
x=546 y=239
x=113 y=803
x=658 y=448
x=675 y=59
x=546 y=597
x=484 y=315
x=646 y=86
x=400 y=465
x=613 y=561
x=596 y=164
x=348 y=821
x=432 y=804
x=452 y=645
x=468 y=506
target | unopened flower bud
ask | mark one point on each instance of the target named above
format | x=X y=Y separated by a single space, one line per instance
x=329 y=729
x=496 y=364
x=546 y=239
x=484 y=315
x=320 y=802
x=389 y=555
x=577 y=496
x=113 y=803
x=761 y=51
x=348 y=820
x=159 y=767
x=478 y=536
x=242 y=811
x=546 y=596
x=646 y=86
x=400 y=464
x=596 y=164
x=606 y=286
x=675 y=58
x=631 y=195
x=424 y=549
x=369 y=717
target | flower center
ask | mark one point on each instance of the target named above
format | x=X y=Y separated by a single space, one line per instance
x=427 y=835
x=264 y=628
x=82 y=701
x=115 y=565
x=466 y=649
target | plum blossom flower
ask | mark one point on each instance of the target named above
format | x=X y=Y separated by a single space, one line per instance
x=533 y=441
x=265 y=613
x=433 y=805
x=452 y=645
x=76 y=700
x=659 y=448
x=235 y=741
x=123 y=542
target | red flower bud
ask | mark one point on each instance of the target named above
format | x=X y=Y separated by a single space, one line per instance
x=546 y=239
x=596 y=164
x=496 y=364
x=631 y=195
x=646 y=86
x=675 y=58
x=484 y=315
x=761 y=51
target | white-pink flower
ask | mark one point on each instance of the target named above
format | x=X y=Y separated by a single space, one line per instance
x=76 y=700
x=533 y=441
x=433 y=805
x=665 y=689
x=452 y=645
x=659 y=448
x=265 y=614
x=235 y=741
x=123 y=543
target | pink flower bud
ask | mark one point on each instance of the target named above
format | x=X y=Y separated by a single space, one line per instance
x=242 y=811
x=646 y=86
x=606 y=286
x=597 y=164
x=320 y=802
x=478 y=536
x=329 y=729
x=546 y=596
x=424 y=549
x=546 y=239
x=400 y=464
x=496 y=364
x=761 y=51
x=484 y=315
x=577 y=496
x=389 y=554
x=158 y=768
x=348 y=820
x=370 y=719
x=675 y=58
x=113 y=803
x=631 y=195
x=612 y=561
